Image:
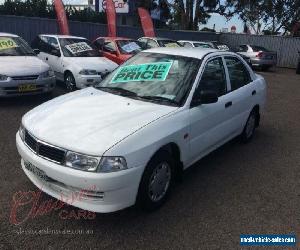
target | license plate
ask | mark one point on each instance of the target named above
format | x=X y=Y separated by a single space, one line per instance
x=27 y=87
x=39 y=173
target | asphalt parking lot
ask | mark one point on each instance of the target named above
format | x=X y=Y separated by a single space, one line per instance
x=239 y=189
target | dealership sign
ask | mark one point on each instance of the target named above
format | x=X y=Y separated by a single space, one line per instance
x=120 y=5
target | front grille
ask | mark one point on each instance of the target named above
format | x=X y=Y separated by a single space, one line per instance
x=52 y=153
x=44 y=150
x=22 y=78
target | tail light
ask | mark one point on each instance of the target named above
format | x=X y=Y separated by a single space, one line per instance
x=260 y=54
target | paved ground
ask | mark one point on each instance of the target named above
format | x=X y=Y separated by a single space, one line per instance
x=238 y=189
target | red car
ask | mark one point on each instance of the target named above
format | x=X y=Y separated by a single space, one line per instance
x=117 y=49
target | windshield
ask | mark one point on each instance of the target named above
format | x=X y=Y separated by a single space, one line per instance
x=153 y=77
x=128 y=46
x=168 y=43
x=76 y=47
x=202 y=45
x=14 y=46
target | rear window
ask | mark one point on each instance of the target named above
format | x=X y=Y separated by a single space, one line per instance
x=258 y=48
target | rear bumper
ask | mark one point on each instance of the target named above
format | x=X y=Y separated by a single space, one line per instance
x=11 y=87
x=263 y=62
x=97 y=192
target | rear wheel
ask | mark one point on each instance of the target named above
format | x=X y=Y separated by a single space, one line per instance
x=250 y=126
x=70 y=81
x=156 y=182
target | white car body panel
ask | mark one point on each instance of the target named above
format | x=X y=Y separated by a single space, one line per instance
x=111 y=125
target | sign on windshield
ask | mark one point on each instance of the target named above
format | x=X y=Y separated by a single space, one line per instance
x=143 y=72
x=80 y=47
x=132 y=46
x=7 y=43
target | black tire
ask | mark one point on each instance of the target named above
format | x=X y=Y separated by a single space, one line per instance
x=69 y=82
x=146 y=197
x=250 y=126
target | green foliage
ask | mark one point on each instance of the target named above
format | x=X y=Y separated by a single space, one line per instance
x=40 y=8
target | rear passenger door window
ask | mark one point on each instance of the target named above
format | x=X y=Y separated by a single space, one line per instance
x=214 y=77
x=239 y=75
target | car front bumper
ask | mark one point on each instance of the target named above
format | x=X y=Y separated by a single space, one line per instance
x=97 y=192
x=83 y=81
x=42 y=85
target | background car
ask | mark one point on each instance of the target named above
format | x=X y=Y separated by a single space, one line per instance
x=21 y=71
x=74 y=60
x=195 y=44
x=117 y=49
x=154 y=42
x=259 y=56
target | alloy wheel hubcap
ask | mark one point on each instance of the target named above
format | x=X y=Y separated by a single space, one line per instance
x=159 y=182
x=250 y=126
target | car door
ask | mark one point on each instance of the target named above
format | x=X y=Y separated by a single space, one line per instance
x=242 y=92
x=50 y=53
x=209 y=122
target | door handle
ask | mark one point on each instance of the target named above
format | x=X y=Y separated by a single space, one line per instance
x=46 y=58
x=228 y=104
x=254 y=92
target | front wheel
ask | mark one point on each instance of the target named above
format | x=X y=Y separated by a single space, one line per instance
x=250 y=127
x=156 y=182
x=70 y=81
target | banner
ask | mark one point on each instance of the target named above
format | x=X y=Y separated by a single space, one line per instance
x=61 y=17
x=147 y=23
x=111 y=18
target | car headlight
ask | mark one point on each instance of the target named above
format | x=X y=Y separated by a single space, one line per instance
x=82 y=162
x=22 y=132
x=3 y=78
x=88 y=72
x=46 y=74
x=112 y=164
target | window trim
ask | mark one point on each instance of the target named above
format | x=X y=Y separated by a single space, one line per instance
x=203 y=69
x=245 y=66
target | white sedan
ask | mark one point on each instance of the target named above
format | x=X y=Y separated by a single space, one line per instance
x=125 y=140
x=74 y=60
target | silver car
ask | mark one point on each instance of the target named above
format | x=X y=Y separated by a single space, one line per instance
x=21 y=71
x=259 y=56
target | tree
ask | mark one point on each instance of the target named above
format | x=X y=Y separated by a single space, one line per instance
x=190 y=13
x=271 y=15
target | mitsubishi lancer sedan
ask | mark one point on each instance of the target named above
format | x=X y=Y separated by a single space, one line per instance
x=21 y=72
x=126 y=140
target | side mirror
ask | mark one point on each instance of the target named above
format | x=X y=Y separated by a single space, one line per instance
x=204 y=97
x=36 y=51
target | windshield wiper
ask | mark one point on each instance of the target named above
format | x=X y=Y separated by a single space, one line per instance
x=160 y=99
x=121 y=91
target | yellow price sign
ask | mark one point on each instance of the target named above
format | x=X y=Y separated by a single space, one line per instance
x=7 y=43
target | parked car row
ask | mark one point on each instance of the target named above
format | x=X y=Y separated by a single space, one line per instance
x=80 y=63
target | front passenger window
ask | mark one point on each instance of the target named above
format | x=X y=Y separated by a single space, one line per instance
x=238 y=73
x=214 y=77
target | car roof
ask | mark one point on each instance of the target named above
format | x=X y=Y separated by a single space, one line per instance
x=189 y=41
x=115 y=38
x=62 y=36
x=158 y=38
x=187 y=52
x=8 y=34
